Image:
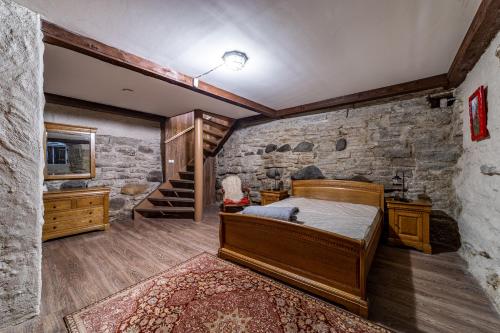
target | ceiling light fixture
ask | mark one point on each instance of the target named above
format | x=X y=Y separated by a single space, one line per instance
x=234 y=60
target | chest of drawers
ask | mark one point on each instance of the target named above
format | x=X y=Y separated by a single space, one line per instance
x=69 y=212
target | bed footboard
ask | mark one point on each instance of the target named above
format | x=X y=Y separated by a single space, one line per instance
x=323 y=263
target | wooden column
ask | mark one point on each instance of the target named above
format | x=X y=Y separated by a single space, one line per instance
x=198 y=166
x=163 y=137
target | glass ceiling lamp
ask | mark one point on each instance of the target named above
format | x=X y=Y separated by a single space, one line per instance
x=234 y=60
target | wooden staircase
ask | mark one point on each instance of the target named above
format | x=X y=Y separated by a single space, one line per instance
x=175 y=197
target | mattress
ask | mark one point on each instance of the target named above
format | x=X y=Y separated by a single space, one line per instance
x=347 y=219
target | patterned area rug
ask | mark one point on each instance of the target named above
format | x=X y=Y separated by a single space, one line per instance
x=207 y=294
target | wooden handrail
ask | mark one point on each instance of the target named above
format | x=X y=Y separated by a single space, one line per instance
x=172 y=138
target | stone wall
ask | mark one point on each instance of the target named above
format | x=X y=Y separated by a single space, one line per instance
x=128 y=158
x=370 y=143
x=478 y=182
x=21 y=163
x=366 y=143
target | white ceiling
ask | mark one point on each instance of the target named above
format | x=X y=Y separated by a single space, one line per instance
x=300 y=51
x=72 y=74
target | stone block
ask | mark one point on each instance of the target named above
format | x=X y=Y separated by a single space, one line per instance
x=145 y=150
x=489 y=170
x=341 y=144
x=134 y=189
x=284 y=148
x=309 y=172
x=270 y=148
x=303 y=147
x=71 y=184
x=123 y=141
x=126 y=151
x=155 y=176
x=116 y=203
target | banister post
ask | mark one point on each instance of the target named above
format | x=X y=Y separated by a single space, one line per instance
x=198 y=165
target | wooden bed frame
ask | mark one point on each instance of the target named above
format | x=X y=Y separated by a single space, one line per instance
x=324 y=263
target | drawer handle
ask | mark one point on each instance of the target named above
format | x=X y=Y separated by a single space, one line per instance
x=54 y=218
x=90 y=221
x=90 y=213
x=54 y=207
x=54 y=227
x=90 y=202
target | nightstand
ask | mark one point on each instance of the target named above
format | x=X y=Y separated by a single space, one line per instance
x=409 y=223
x=267 y=197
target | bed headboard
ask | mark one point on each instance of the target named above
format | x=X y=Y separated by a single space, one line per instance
x=340 y=190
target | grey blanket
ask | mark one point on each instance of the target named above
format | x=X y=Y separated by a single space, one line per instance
x=278 y=213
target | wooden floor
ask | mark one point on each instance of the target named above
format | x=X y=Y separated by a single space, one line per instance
x=409 y=291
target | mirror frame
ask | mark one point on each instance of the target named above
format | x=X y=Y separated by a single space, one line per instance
x=54 y=127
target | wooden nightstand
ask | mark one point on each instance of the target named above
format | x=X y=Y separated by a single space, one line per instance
x=409 y=223
x=267 y=197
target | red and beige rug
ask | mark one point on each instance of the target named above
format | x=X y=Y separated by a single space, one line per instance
x=207 y=294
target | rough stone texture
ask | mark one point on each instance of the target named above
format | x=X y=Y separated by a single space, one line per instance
x=309 y=172
x=479 y=193
x=399 y=135
x=21 y=163
x=123 y=162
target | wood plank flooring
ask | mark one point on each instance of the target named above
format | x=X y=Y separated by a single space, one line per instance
x=409 y=291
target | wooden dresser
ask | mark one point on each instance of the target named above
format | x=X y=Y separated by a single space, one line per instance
x=409 y=223
x=74 y=211
x=268 y=197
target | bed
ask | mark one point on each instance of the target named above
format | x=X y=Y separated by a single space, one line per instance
x=322 y=260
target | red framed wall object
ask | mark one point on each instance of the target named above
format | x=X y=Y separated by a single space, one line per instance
x=478 y=114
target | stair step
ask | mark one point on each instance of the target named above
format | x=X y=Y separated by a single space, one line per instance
x=208 y=151
x=181 y=192
x=164 y=210
x=216 y=125
x=172 y=201
x=211 y=142
x=217 y=134
x=187 y=175
x=182 y=183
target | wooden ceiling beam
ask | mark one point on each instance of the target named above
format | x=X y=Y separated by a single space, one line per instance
x=438 y=81
x=483 y=29
x=58 y=36
x=79 y=103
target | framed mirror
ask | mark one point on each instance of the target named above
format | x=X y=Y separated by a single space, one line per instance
x=69 y=152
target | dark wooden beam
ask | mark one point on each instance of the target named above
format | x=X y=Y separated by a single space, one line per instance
x=58 y=36
x=432 y=82
x=483 y=29
x=78 y=103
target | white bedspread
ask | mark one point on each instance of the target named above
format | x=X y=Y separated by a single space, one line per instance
x=347 y=219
